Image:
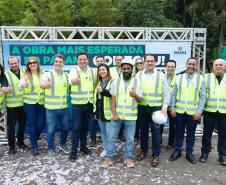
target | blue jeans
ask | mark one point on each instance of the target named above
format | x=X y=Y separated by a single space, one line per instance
x=55 y=118
x=82 y=115
x=93 y=128
x=104 y=133
x=36 y=117
x=146 y=121
x=112 y=129
x=182 y=121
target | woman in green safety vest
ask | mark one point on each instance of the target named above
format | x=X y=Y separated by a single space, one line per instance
x=33 y=101
x=102 y=102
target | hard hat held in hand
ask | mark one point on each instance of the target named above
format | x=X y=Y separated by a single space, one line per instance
x=159 y=118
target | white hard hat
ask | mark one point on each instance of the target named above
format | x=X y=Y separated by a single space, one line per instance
x=159 y=118
x=127 y=60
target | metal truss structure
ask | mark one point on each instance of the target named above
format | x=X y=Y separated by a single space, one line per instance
x=69 y=34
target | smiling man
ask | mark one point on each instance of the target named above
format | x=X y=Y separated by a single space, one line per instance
x=82 y=81
x=187 y=104
x=56 y=87
x=215 y=112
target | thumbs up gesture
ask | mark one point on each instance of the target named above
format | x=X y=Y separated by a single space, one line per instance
x=76 y=81
x=99 y=89
x=25 y=83
x=48 y=84
x=132 y=92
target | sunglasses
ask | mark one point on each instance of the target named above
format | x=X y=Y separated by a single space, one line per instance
x=139 y=63
x=31 y=63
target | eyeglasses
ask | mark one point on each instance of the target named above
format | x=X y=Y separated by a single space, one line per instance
x=31 y=63
x=139 y=63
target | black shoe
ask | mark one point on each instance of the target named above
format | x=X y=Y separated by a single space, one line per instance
x=86 y=151
x=203 y=158
x=12 y=150
x=174 y=156
x=222 y=160
x=73 y=156
x=191 y=158
x=23 y=146
x=35 y=152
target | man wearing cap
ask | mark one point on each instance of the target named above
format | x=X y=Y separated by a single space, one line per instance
x=215 y=112
x=56 y=87
x=155 y=97
x=126 y=92
x=187 y=103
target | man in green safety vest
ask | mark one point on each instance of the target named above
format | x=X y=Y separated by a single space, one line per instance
x=82 y=81
x=215 y=112
x=56 y=87
x=187 y=103
x=14 y=105
x=126 y=92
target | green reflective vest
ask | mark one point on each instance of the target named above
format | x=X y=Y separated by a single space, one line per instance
x=33 y=93
x=83 y=93
x=57 y=96
x=188 y=96
x=1 y=99
x=115 y=73
x=215 y=94
x=15 y=98
x=106 y=102
x=126 y=106
x=152 y=89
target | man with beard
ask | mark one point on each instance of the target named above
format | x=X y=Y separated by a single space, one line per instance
x=187 y=104
x=215 y=112
x=156 y=97
x=125 y=93
x=14 y=105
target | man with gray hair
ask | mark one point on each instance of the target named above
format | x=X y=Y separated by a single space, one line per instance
x=215 y=112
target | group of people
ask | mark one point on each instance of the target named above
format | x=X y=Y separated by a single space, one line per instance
x=124 y=98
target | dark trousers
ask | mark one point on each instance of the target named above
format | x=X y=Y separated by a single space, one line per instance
x=146 y=119
x=36 y=117
x=172 y=129
x=138 y=123
x=210 y=120
x=14 y=115
x=185 y=121
x=93 y=128
x=82 y=115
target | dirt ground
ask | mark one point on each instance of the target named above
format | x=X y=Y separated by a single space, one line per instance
x=25 y=169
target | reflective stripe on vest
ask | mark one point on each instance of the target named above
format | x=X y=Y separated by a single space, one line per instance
x=79 y=95
x=152 y=96
x=32 y=97
x=188 y=102
x=126 y=106
x=15 y=98
x=216 y=96
x=106 y=103
x=57 y=96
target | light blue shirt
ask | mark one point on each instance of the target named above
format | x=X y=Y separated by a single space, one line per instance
x=202 y=95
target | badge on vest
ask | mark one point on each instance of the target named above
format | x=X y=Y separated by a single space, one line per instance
x=125 y=100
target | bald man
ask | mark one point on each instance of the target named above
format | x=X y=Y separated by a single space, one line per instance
x=215 y=112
